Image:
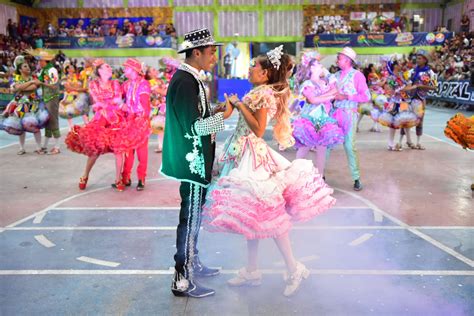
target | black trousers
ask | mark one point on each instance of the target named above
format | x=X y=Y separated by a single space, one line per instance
x=192 y=200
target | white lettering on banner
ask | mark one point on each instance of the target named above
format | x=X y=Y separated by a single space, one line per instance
x=455 y=91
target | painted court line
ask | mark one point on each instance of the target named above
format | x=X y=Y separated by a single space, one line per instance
x=300 y=227
x=444 y=141
x=45 y=242
x=69 y=198
x=38 y=219
x=378 y=217
x=98 y=262
x=360 y=240
x=128 y=208
x=30 y=138
x=415 y=231
x=67 y=228
x=264 y=271
x=166 y=208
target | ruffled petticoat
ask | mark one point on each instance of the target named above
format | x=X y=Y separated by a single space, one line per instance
x=101 y=135
x=157 y=120
x=74 y=105
x=259 y=193
x=399 y=115
x=23 y=116
x=316 y=128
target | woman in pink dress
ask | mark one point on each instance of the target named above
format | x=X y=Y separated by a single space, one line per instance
x=109 y=130
x=257 y=192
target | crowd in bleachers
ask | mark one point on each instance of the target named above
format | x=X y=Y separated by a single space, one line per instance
x=140 y=28
x=454 y=60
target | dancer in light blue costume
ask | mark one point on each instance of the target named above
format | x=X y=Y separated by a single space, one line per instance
x=352 y=89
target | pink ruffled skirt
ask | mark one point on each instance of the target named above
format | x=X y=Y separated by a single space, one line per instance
x=100 y=136
x=259 y=203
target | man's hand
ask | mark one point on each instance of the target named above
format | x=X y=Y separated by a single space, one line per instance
x=229 y=108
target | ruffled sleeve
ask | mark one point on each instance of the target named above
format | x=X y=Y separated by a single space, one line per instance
x=261 y=98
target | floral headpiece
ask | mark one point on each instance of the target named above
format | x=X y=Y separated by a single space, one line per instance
x=18 y=61
x=275 y=55
x=307 y=57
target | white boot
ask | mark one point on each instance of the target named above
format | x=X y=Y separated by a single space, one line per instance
x=246 y=278
x=294 y=280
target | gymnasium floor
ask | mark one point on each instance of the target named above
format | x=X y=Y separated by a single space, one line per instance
x=402 y=246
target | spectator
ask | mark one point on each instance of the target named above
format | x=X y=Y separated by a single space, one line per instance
x=38 y=41
x=10 y=29
x=465 y=23
x=113 y=30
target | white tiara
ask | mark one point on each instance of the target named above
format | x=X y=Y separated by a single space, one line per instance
x=275 y=55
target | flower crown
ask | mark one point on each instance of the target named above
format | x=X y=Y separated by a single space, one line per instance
x=309 y=56
x=275 y=55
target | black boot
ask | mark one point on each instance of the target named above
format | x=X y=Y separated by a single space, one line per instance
x=141 y=185
x=180 y=286
x=357 y=185
x=201 y=270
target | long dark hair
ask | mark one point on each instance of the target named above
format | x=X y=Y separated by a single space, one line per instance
x=367 y=71
x=18 y=67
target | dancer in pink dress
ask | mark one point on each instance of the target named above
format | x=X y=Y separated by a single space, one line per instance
x=313 y=128
x=257 y=192
x=109 y=130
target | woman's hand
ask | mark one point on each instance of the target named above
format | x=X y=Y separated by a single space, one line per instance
x=233 y=99
x=229 y=108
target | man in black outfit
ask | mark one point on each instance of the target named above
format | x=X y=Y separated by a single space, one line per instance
x=188 y=155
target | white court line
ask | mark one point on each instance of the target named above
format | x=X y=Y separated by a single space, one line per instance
x=98 y=262
x=38 y=219
x=54 y=205
x=62 y=130
x=45 y=242
x=107 y=208
x=413 y=230
x=360 y=240
x=264 y=271
x=444 y=141
x=298 y=227
x=68 y=228
x=165 y=208
x=378 y=217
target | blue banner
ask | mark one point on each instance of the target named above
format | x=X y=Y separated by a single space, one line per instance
x=159 y=41
x=84 y=23
x=376 y=40
x=453 y=91
x=27 y=20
